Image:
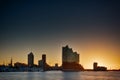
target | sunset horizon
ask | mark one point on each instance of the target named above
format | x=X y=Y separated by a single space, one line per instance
x=60 y=39
x=91 y=28
x=87 y=62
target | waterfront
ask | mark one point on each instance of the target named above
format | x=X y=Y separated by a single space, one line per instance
x=59 y=75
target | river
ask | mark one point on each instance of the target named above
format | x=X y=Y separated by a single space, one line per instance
x=59 y=75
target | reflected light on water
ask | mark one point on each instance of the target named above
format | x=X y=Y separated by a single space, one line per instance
x=59 y=75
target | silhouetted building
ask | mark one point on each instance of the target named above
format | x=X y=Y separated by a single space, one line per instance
x=56 y=65
x=30 y=59
x=98 y=68
x=11 y=63
x=95 y=66
x=44 y=58
x=40 y=63
x=70 y=60
x=18 y=64
x=44 y=62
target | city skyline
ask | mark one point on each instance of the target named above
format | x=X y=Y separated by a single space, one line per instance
x=30 y=59
x=90 y=27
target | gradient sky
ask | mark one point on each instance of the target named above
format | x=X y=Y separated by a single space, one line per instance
x=90 y=27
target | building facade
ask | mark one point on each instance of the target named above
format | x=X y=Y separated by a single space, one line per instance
x=70 y=59
x=69 y=56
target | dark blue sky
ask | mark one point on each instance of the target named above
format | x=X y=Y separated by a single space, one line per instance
x=59 y=17
x=44 y=19
x=36 y=22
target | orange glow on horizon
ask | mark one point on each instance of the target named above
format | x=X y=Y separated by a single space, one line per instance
x=104 y=53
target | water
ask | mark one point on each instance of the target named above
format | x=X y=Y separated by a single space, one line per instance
x=59 y=75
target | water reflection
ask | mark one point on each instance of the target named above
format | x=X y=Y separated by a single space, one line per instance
x=59 y=75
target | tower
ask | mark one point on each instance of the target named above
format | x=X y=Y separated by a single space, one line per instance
x=30 y=59
x=11 y=63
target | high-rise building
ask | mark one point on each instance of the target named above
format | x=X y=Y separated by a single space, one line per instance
x=30 y=59
x=44 y=62
x=11 y=63
x=70 y=59
x=44 y=58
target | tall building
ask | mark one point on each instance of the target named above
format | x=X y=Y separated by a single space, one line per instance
x=44 y=58
x=11 y=63
x=44 y=62
x=70 y=59
x=30 y=59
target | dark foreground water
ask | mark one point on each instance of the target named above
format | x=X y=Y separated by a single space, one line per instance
x=59 y=75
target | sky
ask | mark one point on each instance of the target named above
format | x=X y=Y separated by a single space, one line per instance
x=90 y=27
